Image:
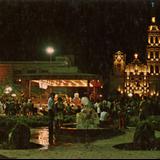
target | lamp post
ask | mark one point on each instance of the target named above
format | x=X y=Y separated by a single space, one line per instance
x=50 y=51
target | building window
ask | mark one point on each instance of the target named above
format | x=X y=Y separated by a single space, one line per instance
x=157 y=69
x=157 y=54
x=151 y=54
x=156 y=39
x=151 y=39
x=151 y=69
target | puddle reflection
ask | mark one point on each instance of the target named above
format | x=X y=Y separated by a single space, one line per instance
x=40 y=136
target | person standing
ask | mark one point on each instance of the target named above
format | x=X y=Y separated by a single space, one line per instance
x=51 y=116
x=59 y=106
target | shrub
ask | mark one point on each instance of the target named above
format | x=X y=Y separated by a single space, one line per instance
x=155 y=120
x=133 y=120
x=35 y=121
x=20 y=136
x=144 y=135
x=69 y=118
x=4 y=135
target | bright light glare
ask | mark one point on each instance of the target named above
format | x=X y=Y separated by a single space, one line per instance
x=50 y=50
x=8 y=90
x=13 y=95
x=136 y=55
x=130 y=94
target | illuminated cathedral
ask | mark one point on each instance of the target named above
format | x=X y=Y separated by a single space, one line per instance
x=137 y=77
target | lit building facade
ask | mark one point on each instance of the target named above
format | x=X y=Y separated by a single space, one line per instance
x=136 y=77
x=60 y=76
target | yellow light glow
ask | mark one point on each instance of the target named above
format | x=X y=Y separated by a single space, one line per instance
x=130 y=94
x=13 y=95
x=91 y=85
x=62 y=83
x=153 y=19
x=135 y=55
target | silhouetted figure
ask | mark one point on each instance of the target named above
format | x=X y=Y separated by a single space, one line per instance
x=51 y=117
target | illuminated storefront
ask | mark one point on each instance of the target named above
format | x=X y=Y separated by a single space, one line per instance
x=60 y=76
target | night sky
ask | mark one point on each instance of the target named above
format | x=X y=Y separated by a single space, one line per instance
x=92 y=30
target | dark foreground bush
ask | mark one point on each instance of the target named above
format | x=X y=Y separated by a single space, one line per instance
x=155 y=120
x=20 y=136
x=144 y=136
x=4 y=135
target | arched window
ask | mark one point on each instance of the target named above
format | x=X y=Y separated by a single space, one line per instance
x=151 y=69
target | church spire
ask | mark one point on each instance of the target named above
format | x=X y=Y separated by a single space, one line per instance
x=153 y=4
x=153 y=16
x=153 y=7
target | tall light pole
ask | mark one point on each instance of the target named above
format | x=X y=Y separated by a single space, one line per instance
x=50 y=51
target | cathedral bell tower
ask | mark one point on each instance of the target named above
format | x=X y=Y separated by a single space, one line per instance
x=153 y=48
x=119 y=63
x=153 y=53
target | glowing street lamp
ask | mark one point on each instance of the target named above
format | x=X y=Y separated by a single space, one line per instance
x=50 y=51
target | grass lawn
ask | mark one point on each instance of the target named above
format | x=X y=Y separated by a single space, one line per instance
x=100 y=149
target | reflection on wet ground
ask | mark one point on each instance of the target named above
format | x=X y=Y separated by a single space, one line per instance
x=40 y=136
x=68 y=136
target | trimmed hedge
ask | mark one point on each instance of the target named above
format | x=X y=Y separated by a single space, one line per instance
x=34 y=121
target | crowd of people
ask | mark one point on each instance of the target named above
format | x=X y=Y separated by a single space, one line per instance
x=111 y=110
x=11 y=106
x=115 y=110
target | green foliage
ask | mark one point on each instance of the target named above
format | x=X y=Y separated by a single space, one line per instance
x=155 y=120
x=34 y=121
x=69 y=118
x=88 y=118
x=133 y=120
x=144 y=136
